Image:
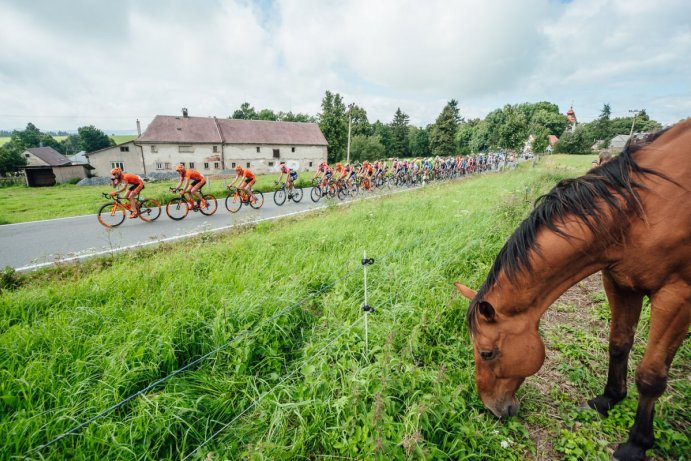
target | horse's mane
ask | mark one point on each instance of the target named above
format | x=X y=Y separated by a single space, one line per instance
x=608 y=189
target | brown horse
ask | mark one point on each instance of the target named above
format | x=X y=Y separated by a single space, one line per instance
x=629 y=218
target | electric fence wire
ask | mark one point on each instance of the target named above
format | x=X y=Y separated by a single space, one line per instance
x=243 y=335
x=270 y=391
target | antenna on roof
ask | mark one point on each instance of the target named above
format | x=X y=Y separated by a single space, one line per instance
x=184 y=112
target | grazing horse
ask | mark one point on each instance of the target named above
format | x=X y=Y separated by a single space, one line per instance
x=629 y=218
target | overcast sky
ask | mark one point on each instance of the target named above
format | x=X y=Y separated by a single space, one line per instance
x=69 y=63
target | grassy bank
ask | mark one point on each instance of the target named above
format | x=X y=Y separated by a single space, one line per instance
x=77 y=339
x=24 y=204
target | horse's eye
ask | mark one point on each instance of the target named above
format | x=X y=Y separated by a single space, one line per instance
x=488 y=355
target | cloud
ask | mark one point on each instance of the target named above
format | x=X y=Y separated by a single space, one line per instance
x=66 y=64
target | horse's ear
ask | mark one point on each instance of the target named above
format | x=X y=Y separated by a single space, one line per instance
x=486 y=310
x=465 y=291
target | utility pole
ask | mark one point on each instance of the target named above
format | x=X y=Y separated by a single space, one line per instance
x=350 y=123
x=635 y=113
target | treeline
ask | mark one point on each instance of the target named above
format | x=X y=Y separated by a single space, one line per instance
x=88 y=138
x=506 y=128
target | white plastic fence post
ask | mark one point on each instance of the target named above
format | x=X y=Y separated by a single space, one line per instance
x=364 y=258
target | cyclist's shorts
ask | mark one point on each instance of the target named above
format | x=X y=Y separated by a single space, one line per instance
x=293 y=175
x=197 y=181
x=136 y=188
x=328 y=174
x=248 y=180
x=353 y=174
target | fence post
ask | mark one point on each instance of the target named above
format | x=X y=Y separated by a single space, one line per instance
x=366 y=307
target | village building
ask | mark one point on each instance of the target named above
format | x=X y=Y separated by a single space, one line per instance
x=46 y=167
x=212 y=145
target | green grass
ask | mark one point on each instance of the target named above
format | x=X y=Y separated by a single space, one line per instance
x=24 y=204
x=76 y=339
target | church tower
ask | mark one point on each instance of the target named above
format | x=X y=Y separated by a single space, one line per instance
x=571 y=117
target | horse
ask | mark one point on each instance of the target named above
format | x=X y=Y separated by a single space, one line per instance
x=629 y=218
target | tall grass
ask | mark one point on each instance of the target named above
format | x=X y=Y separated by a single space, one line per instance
x=76 y=340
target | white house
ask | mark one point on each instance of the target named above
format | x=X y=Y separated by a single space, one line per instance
x=211 y=145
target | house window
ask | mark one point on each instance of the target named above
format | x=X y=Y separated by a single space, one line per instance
x=248 y=164
x=292 y=149
x=159 y=165
x=154 y=148
x=215 y=148
x=277 y=153
x=120 y=165
x=182 y=163
x=233 y=165
x=258 y=149
x=191 y=164
x=124 y=148
x=310 y=163
x=186 y=148
x=216 y=165
x=27 y=155
x=206 y=166
x=167 y=165
x=271 y=163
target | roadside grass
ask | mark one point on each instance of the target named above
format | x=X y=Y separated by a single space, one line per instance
x=78 y=338
x=24 y=204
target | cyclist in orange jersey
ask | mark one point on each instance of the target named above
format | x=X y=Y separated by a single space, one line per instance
x=323 y=170
x=366 y=172
x=136 y=185
x=249 y=180
x=194 y=189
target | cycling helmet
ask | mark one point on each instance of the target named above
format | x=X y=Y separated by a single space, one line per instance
x=180 y=168
x=365 y=162
x=338 y=164
x=238 y=168
x=116 y=171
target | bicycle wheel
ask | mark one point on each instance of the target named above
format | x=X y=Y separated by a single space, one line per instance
x=316 y=194
x=331 y=188
x=297 y=194
x=354 y=189
x=233 y=202
x=260 y=200
x=111 y=215
x=342 y=194
x=177 y=208
x=211 y=205
x=280 y=197
x=149 y=210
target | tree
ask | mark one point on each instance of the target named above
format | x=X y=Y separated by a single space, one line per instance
x=71 y=144
x=399 y=134
x=266 y=114
x=333 y=123
x=360 y=125
x=443 y=132
x=366 y=148
x=464 y=136
x=245 y=112
x=384 y=132
x=291 y=117
x=419 y=142
x=576 y=142
x=602 y=128
x=10 y=161
x=91 y=138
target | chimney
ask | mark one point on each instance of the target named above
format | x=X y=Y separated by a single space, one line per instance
x=184 y=112
x=139 y=128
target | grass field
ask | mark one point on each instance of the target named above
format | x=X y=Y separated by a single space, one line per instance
x=76 y=339
x=23 y=204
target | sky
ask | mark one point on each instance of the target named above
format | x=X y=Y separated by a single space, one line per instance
x=107 y=63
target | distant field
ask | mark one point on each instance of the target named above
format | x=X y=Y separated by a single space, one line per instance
x=118 y=138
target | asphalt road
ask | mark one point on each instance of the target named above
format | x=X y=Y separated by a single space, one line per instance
x=32 y=245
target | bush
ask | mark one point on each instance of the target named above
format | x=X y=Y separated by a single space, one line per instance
x=9 y=280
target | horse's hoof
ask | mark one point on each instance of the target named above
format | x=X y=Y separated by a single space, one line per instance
x=600 y=404
x=629 y=452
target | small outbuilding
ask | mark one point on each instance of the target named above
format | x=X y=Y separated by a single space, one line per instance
x=46 y=167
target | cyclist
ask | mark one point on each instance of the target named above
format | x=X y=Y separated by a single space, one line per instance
x=323 y=170
x=194 y=189
x=366 y=171
x=136 y=185
x=249 y=180
x=291 y=175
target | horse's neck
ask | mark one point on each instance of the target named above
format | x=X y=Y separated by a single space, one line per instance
x=560 y=264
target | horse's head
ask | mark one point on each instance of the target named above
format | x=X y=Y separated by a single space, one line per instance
x=507 y=350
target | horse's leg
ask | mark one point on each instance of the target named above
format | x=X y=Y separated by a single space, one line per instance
x=625 y=306
x=669 y=325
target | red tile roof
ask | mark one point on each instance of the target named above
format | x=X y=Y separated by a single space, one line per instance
x=49 y=155
x=165 y=128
